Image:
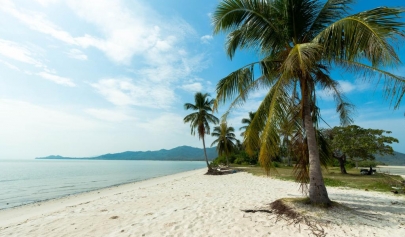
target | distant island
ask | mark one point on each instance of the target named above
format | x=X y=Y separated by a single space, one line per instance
x=181 y=153
x=188 y=153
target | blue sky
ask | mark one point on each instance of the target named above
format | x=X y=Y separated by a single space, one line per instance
x=84 y=78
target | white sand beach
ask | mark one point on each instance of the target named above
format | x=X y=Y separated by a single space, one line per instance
x=193 y=204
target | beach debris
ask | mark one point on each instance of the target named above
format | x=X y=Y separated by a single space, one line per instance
x=254 y=211
x=114 y=217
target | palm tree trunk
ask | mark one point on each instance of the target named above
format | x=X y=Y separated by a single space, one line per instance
x=205 y=153
x=317 y=189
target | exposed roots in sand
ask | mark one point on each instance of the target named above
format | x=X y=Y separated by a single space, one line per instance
x=292 y=217
x=284 y=212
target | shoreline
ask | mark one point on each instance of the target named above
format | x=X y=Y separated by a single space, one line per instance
x=16 y=213
x=387 y=170
x=193 y=204
x=51 y=180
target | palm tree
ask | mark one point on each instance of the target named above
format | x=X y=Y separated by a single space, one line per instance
x=247 y=122
x=299 y=41
x=201 y=118
x=226 y=141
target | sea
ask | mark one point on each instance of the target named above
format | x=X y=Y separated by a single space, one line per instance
x=394 y=170
x=29 y=181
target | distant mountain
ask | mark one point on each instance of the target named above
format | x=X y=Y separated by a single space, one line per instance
x=181 y=153
x=396 y=159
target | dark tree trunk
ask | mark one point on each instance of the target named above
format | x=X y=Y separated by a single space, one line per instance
x=342 y=162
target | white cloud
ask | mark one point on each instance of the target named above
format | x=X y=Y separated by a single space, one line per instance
x=123 y=92
x=345 y=87
x=45 y=3
x=37 y=21
x=9 y=65
x=165 y=121
x=193 y=87
x=19 y=53
x=206 y=39
x=19 y=118
x=136 y=36
x=57 y=79
x=109 y=115
x=77 y=54
x=363 y=84
x=130 y=33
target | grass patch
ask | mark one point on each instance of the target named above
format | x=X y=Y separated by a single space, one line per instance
x=333 y=178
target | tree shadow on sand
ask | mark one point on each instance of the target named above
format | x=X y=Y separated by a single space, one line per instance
x=299 y=213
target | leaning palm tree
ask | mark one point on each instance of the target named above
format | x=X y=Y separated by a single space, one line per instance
x=226 y=141
x=298 y=42
x=200 y=119
x=247 y=122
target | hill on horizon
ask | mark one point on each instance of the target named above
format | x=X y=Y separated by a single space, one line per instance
x=188 y=153
x=397 y=159
x=181 y=153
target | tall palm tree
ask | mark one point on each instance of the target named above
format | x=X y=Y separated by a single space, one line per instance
x=298 y=42
x=202 y=117
x=247 y=122
x=225 y=141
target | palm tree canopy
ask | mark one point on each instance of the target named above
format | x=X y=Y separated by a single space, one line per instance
x=202 y=117
x=225 y=139
x=298 y=41
x=247 y=121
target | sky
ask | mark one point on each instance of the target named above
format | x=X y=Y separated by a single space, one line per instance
x=85 y=78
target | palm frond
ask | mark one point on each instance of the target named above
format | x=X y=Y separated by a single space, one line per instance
x=366 y=35
x=253 y=24
x=326 y=14
x=394 y=85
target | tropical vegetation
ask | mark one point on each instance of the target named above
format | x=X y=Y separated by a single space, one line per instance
x=298 y=42
x=225 y=140
x=246 y=122
x=356 y=144
x=200 y=119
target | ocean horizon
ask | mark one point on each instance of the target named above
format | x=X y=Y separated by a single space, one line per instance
x=29 y=181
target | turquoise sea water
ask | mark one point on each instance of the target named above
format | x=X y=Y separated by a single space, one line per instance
x=28 y=181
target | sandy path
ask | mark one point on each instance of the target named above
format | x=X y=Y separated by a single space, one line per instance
x=193 y=204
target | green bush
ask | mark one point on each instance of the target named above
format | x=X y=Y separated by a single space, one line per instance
x=276 y=164
x=367 y=163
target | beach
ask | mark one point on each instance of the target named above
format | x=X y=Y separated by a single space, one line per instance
x=194 y=204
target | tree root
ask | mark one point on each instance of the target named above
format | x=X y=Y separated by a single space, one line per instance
x=284 y=212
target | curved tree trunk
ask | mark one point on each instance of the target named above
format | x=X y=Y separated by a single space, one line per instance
x=317 y=189
x=205 y=153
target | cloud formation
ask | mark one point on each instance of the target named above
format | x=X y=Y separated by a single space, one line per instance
x=77 y=54
x=206 y=39
x=124 y=92
x=18 y=52
x=57 y=79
